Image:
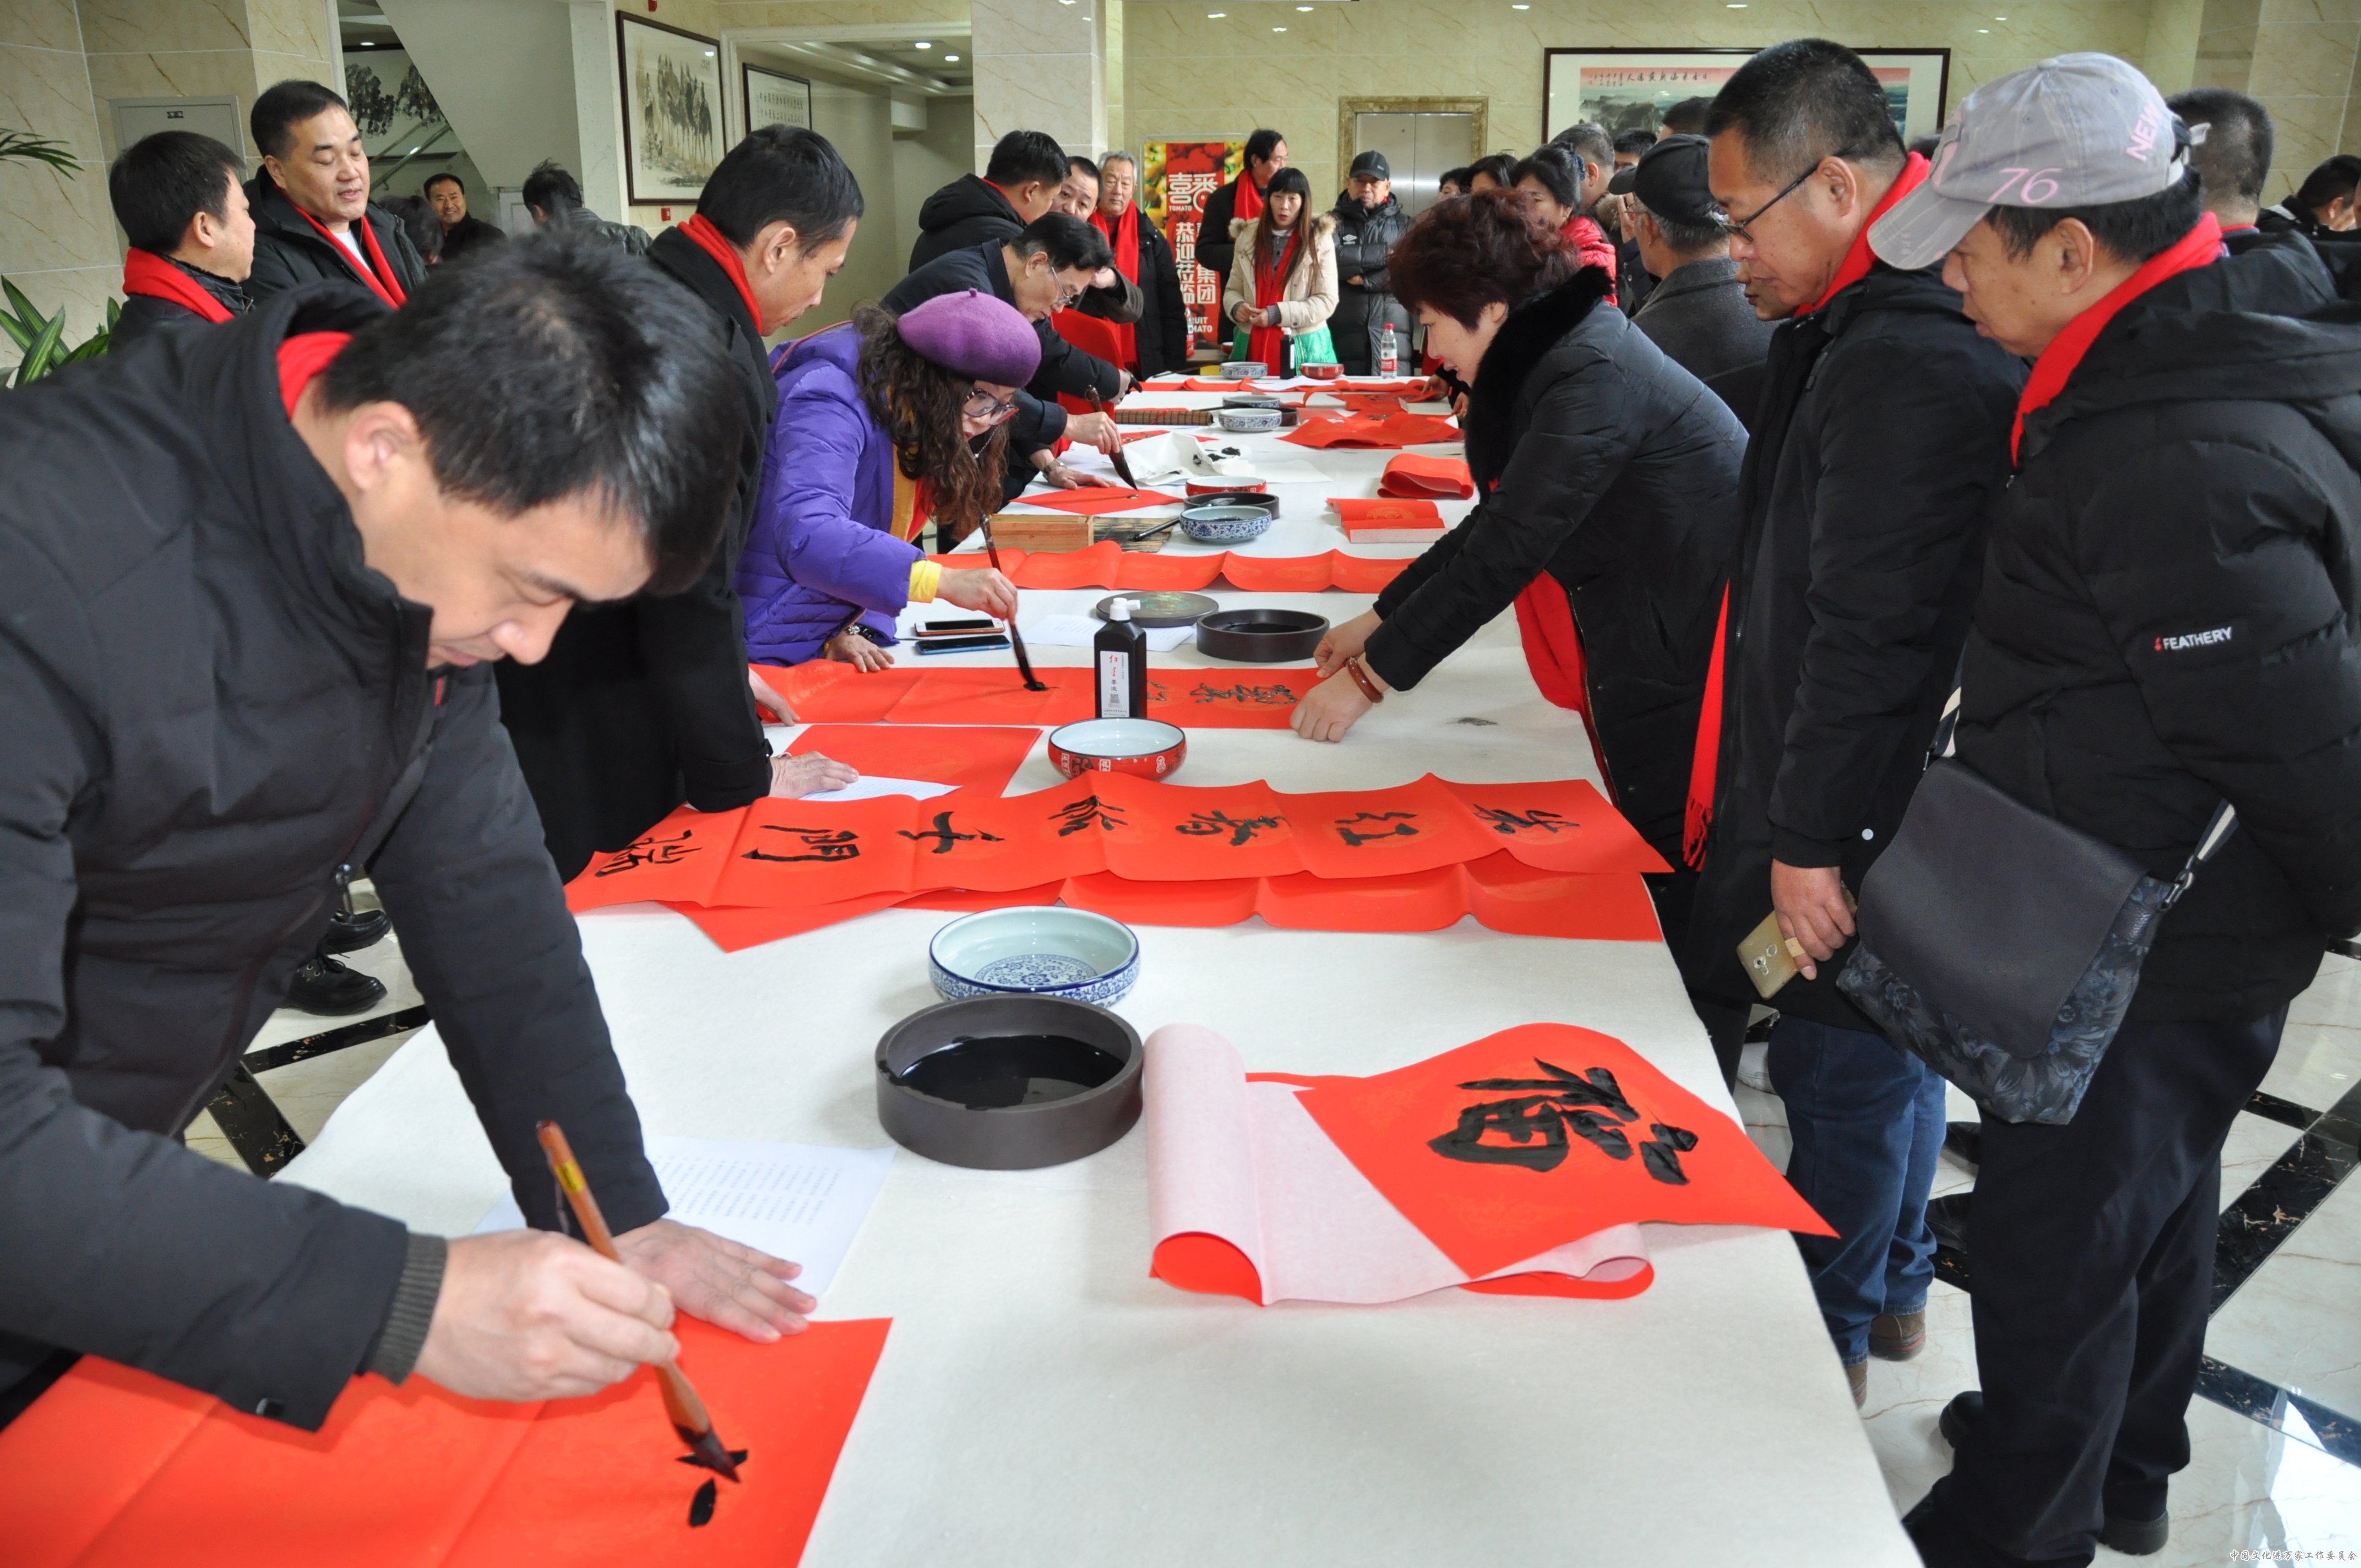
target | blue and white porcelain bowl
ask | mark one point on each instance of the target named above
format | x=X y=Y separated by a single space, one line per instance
x=1044 y=952
x=1224 y=525
x=1249 y=422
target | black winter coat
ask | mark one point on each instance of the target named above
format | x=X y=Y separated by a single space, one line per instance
x=1216 y=251
x=1163 y=331
x=145 y=313
x=642 y=706
x=1363 y=237
x=1612 y=468
x=1879 y=442
x=963 y=214
x=210 y=703
x=289 y=252
x=2168 y=618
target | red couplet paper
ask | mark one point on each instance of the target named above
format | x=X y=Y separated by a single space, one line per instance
x=1359 y=509
x=1413 y=473
x=1563 y=825
x=1536 y=1135
x=966 y=756
x=113 y=1468
x=1108 y=565
x=1091 y=500
x=1361 y=430
x=679 y=857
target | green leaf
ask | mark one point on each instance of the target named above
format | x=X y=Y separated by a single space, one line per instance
x=27 y=315
x=18 y=332
x=39 y=149
x=113 y=313
x=36 y=362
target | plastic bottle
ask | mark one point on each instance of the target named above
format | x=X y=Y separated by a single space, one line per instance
x=1285 y=366
x=1119 y=656
x=1389 y=354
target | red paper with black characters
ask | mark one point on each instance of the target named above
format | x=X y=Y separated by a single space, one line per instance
x=679 y=859
x=114 y=1469
x=1533 y=1136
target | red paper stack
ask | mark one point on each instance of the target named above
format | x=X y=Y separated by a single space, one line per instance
x=1413 y=475
x=1389 y=521
x=1359 y=430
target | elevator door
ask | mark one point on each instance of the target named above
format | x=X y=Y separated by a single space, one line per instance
x=1418 y=148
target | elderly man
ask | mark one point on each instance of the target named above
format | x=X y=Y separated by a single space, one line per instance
x=1160 y=340
x=313 y=217
x=2167 y=623
x=1698 y=313
x=1369 y=220
x=1878 y=445
x=1113 y=296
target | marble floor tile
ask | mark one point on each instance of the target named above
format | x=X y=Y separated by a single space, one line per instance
x=1907 y=1397
x=206 y=1138
x=384 y=960
x=2334 y=996
x=2255 y=1145
x=2248 y=1488
x=307 y=1092
x=2294 y=1322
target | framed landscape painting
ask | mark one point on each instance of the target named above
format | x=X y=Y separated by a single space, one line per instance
x=1629 y=89
x=775 y=98
x=672 y=109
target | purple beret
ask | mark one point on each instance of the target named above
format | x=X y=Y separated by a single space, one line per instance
x=975 y=334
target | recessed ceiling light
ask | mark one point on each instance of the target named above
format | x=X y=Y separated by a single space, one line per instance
x=950 y=59
x=922 y=44
x=1215 y=15
x=1983 y=29
x=1278 y=30
x=1303 y=8
x=1520 y=6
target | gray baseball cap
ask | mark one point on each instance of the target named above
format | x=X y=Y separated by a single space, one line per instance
x=2081 y=131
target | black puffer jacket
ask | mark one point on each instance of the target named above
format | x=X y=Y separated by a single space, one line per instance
x=2168 y=618
x=1880 y=441
x=210 y=703
x=967 y=212
x=289 y=252
x=1163 y=334
x=145 y=313
x=1363 y=235
x=642 y=706
x=1612 y=468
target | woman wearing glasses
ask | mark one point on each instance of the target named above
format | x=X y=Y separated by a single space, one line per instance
x=884 y=424
x=1606 y=477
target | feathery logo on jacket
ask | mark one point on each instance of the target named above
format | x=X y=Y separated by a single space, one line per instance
x=2184 y=642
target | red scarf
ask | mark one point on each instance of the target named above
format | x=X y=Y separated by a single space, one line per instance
x=1249 y=203
x=2201 y=246
x=1123 y=237
x=714 y=244
x=303 y=356
x=378 y=275
x=1554 y=652
x=1591 y=246
x=1858 y=259
x=1267 y=343
x=1705 y=763
x=145 y=273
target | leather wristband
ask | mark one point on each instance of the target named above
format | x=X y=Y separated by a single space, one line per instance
x=1361 y=679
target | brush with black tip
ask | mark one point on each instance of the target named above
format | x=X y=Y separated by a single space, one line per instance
x=1033 y=682
x=681 y=1404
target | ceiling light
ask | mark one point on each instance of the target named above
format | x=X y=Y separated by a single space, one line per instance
x=1303 y=8
x=1983 y=29
x=1278 y=30
x=1520 y=6
x=922 y=44
x=950 y=59
x=1215 y=15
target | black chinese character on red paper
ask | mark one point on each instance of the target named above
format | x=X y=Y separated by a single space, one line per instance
x=1243 y=693
x=1534 y=1127
x=1502 y=820
x=817 y=844
x=1080 y=817
x=945 y=838
x=1213 y=824
x=1357 y=837
x=650 y=850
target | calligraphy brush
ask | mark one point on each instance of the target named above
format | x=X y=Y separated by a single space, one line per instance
x=687 y=1412
x=1122 y=464
x=1033 y=682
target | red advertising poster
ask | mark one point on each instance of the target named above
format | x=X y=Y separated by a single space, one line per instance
x=1173 y=187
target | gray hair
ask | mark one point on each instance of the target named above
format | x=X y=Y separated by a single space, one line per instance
x=1685 y=238
x=1118 y=156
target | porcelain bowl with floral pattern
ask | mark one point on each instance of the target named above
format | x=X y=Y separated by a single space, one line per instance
x=1043 y=951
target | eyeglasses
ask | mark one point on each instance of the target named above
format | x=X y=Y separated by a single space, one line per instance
x=1066 y=298
x=982 y=405
x=1738 y=227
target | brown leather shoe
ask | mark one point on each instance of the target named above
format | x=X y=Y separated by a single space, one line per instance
x=1897 y=1336
x=1857 y=1374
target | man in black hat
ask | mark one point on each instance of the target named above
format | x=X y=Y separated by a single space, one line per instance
x=1698 y=312
x=1369 y=220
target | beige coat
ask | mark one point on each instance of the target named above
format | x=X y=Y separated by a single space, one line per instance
x=1310 y=294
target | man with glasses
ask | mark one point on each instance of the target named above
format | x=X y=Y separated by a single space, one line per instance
x=1880 y=437
x=1043 y=270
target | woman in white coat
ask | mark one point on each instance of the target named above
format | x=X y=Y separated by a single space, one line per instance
x=1284 y=280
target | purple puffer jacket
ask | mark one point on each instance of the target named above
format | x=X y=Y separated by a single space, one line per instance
x=821 y=552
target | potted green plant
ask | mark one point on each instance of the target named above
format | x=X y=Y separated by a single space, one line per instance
x=40 y=339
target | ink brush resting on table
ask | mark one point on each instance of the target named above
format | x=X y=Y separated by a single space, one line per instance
x=681 y=1404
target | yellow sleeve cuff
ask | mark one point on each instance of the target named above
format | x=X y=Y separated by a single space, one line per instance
x=926 y=576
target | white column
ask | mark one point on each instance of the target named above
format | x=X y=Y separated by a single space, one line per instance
x=1041 y=65
x=598 y=108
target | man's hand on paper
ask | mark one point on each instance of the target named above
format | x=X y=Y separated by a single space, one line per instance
x=1345 y=642
x=534 y=1315
x=793 y=777
x=724 y=1282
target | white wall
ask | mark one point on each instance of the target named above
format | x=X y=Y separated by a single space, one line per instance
x=859 y=122
x=925 y=163
x=504 y=76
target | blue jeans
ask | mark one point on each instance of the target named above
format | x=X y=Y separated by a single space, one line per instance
x=1867 y=1119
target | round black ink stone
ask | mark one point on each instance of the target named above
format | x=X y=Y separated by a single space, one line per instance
x=1008 y=1083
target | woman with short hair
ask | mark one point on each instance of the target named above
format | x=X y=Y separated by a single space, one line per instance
x=1283 y=281
x=883 y=424
x=1554 y=177
x=1496 y=172
x=1608 y=478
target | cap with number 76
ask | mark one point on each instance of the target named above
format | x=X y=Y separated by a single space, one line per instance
x=2081 y=131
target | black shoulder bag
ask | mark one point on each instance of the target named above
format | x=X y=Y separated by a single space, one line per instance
x=2003 y=947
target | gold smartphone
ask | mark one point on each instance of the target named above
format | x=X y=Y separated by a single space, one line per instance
x=1770 y=959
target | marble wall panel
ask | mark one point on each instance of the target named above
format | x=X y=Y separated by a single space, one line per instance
x=110 y=27
x=297 y=28
x=40 y=24
x=188 y=74
x=55 y=222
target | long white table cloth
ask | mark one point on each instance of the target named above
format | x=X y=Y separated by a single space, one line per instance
x=1041 y=1400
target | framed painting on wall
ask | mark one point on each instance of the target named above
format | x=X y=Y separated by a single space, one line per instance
x=672 y=109
x=775 y=98
x=1629 y=89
